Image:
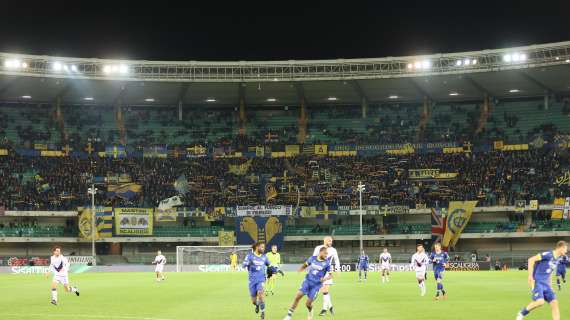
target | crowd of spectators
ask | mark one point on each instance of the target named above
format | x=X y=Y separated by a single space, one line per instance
x=494 y=178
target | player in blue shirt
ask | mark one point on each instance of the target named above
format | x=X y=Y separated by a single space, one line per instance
x=561 y=271
x=363 y=263
x=256 y=264
x=439 y=259
x=540 y=268
x=318 y=271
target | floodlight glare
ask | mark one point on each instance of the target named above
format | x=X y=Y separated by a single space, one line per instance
x=149 y=99
x=210 y=100
x=24 y=65
x=515 y=57
x=514 y=90
x=332 y=99
x=88 y=99
x=57 y=66
x=507 y=58
x=107 y=69
x=115 y=68
x=458 y=63
x=123 y=69
x=410 y=66
x=74 y=68
x=522 y=57
x=426 y=64
x=65 y=68
x=474 y=61
x=271 y=99
x=418 y=64
x=453 y=94
x=466 y=62
x=393 y=97
x=26 y=97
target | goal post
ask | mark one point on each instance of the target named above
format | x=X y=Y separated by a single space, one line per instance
x=208 y=258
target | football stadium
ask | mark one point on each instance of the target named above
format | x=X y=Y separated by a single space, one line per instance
x=433 y=186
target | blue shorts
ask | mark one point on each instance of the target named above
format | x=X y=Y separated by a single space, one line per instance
x=543 y=291
x=255 y=287
x=363 y=267
x=438 y=274
x=311 y=289
x=561 y=273
x=271 y=271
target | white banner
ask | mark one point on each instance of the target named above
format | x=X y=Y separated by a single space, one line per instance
x=263 y=211
x=80 y=259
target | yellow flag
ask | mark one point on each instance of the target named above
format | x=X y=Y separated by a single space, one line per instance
x=226 y=238
x=459 y=215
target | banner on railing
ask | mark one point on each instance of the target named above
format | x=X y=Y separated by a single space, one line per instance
x=263 y=210
x=269 y=230
x=133 y=221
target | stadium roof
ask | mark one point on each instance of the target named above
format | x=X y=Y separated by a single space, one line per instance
x=465 y=76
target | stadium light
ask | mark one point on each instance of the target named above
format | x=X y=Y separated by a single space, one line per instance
x=474 y=61
x=211 y=100
x=15 y=64
x=271 y=99
x=332 y=98
x=410 y=66
x=88 y=99
x=418 y=64
x=65 y=68
x=393 y=96
x=507 y=58
x=149 y=99
x=453 y=94
x=467 y=62
x=567 y=60
x=107 y=69
x=123 y=69
x=514 y=90
x=26 y=97
x=74 y=68
x=426 y=64
x=458 y=63
x=57 y=66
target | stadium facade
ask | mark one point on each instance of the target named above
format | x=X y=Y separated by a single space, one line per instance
x=284 y=136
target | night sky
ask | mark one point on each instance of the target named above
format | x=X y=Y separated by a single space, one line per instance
x=271 y=30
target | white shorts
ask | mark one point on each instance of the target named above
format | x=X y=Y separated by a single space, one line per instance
x=420 y=275
x=159 y=268
x=61 y=279
x=328 y=282
x=385 y=267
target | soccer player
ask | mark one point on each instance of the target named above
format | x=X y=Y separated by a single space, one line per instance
x=439 y=259
x=561 y=271
x=363 y=263
x=256 y=263
x=332 y=256
x=318 y=272
x=540 y=269
x=274 y=258
x=420 y=261
x=233 y=261
x=59 y=266
x=385 y=262
x=160 y=261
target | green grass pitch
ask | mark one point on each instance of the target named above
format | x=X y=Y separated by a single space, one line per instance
x=205 y=296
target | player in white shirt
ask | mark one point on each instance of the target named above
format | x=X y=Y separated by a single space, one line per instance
x=332 y=256
x=385 y=262
x=59 y=267
x=420 y=262
x=160 y=261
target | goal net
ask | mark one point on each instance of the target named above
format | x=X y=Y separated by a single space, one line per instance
x=208 y=258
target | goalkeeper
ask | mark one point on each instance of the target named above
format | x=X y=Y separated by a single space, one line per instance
x=274 y=258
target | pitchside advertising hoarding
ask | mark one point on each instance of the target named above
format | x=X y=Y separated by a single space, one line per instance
x=348 y=267
x=38 y=265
